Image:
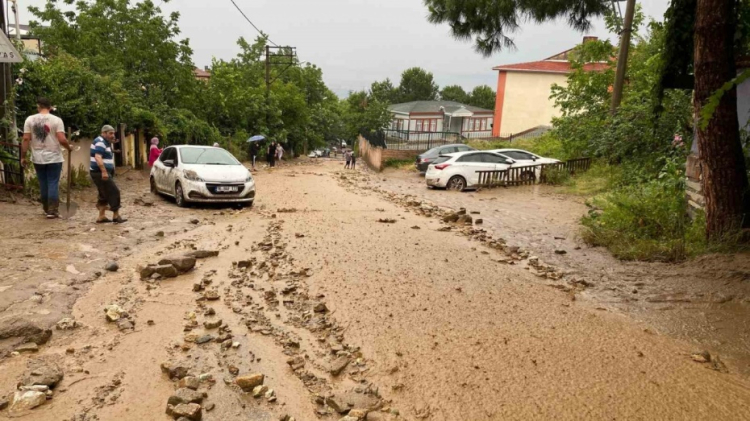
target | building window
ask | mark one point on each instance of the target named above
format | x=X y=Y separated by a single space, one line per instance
x=477 y=124
x=426 y=125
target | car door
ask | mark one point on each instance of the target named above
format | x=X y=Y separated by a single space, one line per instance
x=163 y=170
x=469 y=164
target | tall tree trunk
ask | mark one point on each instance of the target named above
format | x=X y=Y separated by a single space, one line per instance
x=725 y=184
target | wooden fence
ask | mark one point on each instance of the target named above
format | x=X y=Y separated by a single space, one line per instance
x=529 y=175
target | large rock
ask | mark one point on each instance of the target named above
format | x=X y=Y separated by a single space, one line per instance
x=451 y=217
x=181 y=263
x=66 y=324
x=344 y=401
x=189 y=382
x=28 y=347
x=185 y=395
x=43 y=373
x=191 y=411
x=17 y=327
x=26 y=400
x=249 y=381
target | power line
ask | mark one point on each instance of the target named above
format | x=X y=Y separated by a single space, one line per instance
x=251 y=23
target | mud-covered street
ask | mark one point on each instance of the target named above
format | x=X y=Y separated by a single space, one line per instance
x=356 y=296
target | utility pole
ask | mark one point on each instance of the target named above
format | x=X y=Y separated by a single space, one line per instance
x=283 y=52
x=15 y=13
x=622 y=60
x=5 y=86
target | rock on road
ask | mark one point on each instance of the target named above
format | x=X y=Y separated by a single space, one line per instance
x=314 y=307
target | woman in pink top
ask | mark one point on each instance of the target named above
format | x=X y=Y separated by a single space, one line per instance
x=154 y=153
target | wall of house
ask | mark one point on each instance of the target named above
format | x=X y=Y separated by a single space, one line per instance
x=371 y=155
x=523 y=101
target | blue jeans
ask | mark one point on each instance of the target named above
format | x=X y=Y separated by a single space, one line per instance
x=49 y=185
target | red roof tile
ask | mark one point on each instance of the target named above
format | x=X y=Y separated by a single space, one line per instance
x=550 y=66
x=201 y=73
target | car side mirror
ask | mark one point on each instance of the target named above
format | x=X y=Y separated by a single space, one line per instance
x=511 y=161
x=169 y=163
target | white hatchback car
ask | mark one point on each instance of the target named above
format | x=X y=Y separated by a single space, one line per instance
x=202 y=174
x=458 y=171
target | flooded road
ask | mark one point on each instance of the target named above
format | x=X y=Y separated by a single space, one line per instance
x=349 y=299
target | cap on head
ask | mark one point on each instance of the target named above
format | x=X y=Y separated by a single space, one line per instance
x=43 y=103
x=108 y=129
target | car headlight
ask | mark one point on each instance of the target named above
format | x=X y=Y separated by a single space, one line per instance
x=249 y=178
x=192 y=176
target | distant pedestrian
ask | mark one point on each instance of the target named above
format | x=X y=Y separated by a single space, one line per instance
x=272 y=155
x=154 y=152
x=45 y=133
x=216 y=145
x=348 y=158
x=254 y=150
x=354 y=160
x=102 y=171
x=279 y=152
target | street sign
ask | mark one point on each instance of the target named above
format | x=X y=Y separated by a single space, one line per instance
x=8 y=53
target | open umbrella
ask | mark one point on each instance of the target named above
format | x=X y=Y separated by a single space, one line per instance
x=257 y=138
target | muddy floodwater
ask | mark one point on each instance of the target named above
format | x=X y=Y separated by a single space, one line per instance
x=352 y=295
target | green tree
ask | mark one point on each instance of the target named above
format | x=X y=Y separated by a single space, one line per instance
x=483 y=96
x=417 y=85
x=384 y=92
x=454 y=93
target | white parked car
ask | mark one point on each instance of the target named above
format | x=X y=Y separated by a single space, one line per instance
x=525 y=157
x=317 y=153
x=458 y=171
x=202 y=174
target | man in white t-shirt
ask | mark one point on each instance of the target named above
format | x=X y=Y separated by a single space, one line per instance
x=45 y=133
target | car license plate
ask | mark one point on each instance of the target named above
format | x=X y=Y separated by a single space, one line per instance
x=227 y=189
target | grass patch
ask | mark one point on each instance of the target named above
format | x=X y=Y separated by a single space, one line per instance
x=600 y=178
x=400 y=164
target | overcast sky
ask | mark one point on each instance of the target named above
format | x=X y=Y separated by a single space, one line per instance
x=356 y=42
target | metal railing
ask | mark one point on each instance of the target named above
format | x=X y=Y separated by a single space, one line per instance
x=407 y=140
x=529 y=175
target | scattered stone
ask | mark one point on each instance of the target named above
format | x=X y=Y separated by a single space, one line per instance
x=204 y=339
x=210 y=407
x=321 y=308
x=66 y=324
x=259 y=391
x=189 y=382
x=185 y=395
x=43 y=373
x=159 y=234
x=451 y=217
x=181 y=263
x=18 y=327
x=112 y=267
x=174 y=370
x=249 y=381
x=479 y=221
x=387 y=221
x=26 y=400
x=150 y=322
x=167 y=271
x=339 y=364
x=357 y=414
x=3 y=403
x=702 y=357
x=416 y=227
x=195 y=221
x=560 y=251
x=211 y=295
x=212 y=324
x=125 y=324
x=191 y=411
x=27 y=347
x=113 y=312
x=203 y=254
x=465 y=219
x=244 y=264
x=271 y=395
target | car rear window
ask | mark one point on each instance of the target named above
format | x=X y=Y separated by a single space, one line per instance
x=440 y=160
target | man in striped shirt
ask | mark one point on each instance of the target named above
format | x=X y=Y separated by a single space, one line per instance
x=103 y=173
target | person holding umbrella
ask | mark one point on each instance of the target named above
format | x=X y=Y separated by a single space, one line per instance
x=255 y=149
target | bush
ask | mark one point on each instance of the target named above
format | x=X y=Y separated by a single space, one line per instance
x=556 y=176
x=399 y=164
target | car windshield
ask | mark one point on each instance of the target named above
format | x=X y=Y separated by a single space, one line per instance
x=207 y=156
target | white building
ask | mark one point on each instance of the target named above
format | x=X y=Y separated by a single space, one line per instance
x=419 y=119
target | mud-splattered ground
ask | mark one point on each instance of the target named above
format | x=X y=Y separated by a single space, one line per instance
x=348 y=297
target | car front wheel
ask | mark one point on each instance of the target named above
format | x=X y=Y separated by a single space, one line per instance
x=179 y=195
x=154 y=190
x=457 y=183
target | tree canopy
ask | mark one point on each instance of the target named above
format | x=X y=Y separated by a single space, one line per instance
x=417 y=84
